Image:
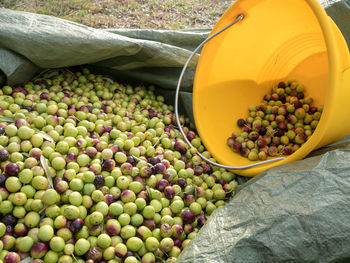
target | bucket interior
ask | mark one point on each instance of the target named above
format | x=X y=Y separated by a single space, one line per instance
x=277 y=40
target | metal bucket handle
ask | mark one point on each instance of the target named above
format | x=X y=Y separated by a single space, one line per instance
x=238 y=18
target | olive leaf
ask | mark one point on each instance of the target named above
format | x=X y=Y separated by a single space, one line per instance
x=159 y=139
x=148 y=190
x=108 y=80
x=7 y=119
x=138 y=257
x=46 y=137
x=138 y=160
x=45 y=165
x=102 y=227
x=26 y=155
x=195 y=194
x=42 y=211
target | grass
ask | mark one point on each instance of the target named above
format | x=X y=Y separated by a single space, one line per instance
x=154 y=14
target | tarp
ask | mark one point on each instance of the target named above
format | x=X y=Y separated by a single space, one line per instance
x=293 y=213
x=29 y=42
x=297 y=212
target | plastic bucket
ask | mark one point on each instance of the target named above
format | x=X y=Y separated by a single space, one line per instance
x=277 y=40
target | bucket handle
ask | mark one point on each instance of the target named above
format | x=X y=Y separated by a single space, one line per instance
x=238 y=18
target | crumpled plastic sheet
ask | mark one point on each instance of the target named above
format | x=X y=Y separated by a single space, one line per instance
x=41 y=42
x=297 y=212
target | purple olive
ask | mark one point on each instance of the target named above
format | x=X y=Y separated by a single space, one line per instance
x=281 y=85
x=126 y=168
x=2 y=179
x=237 y=146
x=4 y=155
x=287 y=150
x=112 y=227
x=143 y=194
x=21 y=122
x=150 y=223
x=282 y=126
x=241 y=123
x=11 y=169
x=184 y=159
x=208 y=169
x=177 y=230
x=71 y=157
x=181 y=182
x=272 y=151
x=188 y=228
x=99 y=181
x=38 y=250
x=279 y=132
x=199 y=191
x=297 y=104
x=169 y=192
x=162 y=183
x=109 y=199
x=9 y=230
x=222 y=182
x=165 y=163
x=146 y=172
x=20 y=230
x=201 y=220
x=159 y=168
x=189 y=199
x=91 y=152
x=61 y=186
x=247 y=128
x=198 y=170
x=188 y=216
x=180 y=146
x=12 y=257
x=108 y=165
x=253 y=135
x=131 y=160
x=95 y=254
x=44 y=96
x=2 y=128
x=76 y=225
x=35 y=154
x=154 y=160
x=168 y=176
x=9 y=220
x=190 y=135
x=312 y=110
x=177 y=242
x=152 y=113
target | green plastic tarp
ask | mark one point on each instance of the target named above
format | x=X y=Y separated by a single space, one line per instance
x=293 y=213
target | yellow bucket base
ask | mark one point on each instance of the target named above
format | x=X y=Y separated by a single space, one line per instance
x=277 y=40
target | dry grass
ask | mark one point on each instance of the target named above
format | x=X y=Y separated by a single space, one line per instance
x=157 y=14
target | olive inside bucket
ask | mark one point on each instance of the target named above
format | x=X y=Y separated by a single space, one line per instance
x=273 y=41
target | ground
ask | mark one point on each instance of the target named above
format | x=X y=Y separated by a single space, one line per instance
x=156 y=14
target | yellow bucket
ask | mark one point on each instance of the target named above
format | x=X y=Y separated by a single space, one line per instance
x=270 y=41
